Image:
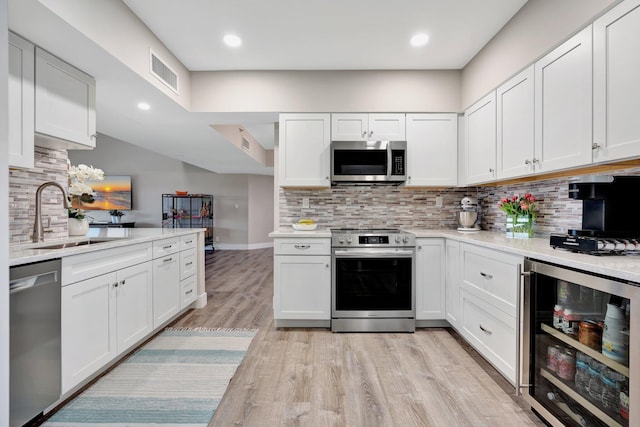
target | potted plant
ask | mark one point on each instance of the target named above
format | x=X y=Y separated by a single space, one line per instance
x=115 y=216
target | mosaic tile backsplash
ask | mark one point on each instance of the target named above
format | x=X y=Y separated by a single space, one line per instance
x=387 y=206
x=50 y=165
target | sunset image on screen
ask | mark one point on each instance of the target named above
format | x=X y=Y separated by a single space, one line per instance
x=112 y=193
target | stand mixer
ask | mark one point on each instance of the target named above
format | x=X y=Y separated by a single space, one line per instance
x=468 y=216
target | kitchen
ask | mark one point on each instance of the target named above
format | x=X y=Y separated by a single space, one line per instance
x=425 y=202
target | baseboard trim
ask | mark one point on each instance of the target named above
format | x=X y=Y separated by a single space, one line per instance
x=201 y=301
x=249 y=247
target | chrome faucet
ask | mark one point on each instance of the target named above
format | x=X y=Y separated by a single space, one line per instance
x=37 y=227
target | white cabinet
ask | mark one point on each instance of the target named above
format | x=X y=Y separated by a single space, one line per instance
x=302 y=281
x=188 y=270
x=488 y=296
x=452 y=282
x=166 y=280
x=304 y=150
x=616 y=86
x=65 y=104
x=102 y=317
x=563 y=105
x=21 y=102
x=365 y=127
x=430 y=279
x=432 y=147
x=479 y=148
x=515 y=123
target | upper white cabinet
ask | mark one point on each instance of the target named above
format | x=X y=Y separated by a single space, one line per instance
x=304 y=150
x=616 y=83
x=65 y=100
x=430 y=279
x=563 y=105
x=515 y=134
x=21 y=102
x=432 y=147
x=365 y=127
x=479 y=147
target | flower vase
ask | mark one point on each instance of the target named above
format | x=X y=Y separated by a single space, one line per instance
x=78 y=227
x=519 y=226
x=115 y=219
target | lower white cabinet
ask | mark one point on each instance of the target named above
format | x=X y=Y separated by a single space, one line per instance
x=452 y=281
x=166 y=288
x=102 y=317
x=302 y=280
x=430 y=279
x=488 y=287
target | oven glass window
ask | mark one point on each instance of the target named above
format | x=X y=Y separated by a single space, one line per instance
x=373 y=284
x=360 y=162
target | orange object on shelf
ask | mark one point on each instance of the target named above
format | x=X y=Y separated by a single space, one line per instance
x=181 y=193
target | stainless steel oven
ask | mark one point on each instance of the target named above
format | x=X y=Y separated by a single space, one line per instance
x=373 y=281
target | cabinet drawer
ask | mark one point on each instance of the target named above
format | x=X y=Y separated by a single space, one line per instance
x=92 y=264
x=187 y=263
x=166 y=247
x=188 y=242
x=492 y=276
x=188 y=292
x=491 y=332
x=299 y=246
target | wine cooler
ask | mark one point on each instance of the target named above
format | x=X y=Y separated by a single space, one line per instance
x=580 y=347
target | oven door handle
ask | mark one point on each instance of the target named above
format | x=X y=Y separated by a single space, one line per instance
x=373 y=252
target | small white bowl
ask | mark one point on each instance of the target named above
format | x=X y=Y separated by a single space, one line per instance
x=304 y=227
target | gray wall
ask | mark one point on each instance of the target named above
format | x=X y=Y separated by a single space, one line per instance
x=153 y=174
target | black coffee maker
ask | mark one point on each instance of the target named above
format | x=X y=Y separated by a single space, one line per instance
x=606 y=206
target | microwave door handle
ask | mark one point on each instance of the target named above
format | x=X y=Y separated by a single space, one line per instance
x=389 y=162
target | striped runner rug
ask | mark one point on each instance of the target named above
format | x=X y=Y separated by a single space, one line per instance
x=177 y=379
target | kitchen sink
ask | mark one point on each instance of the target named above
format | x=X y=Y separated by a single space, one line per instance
x=64 y=245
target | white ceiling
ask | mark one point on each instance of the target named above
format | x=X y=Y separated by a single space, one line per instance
x=277 y=35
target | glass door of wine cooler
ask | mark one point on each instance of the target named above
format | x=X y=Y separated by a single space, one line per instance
x=579 y=351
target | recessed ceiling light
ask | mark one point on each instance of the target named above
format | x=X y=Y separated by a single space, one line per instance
x=419 y=40
x=143 y=106
x=232 y=40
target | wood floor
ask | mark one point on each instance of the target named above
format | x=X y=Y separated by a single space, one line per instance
x=312 y=377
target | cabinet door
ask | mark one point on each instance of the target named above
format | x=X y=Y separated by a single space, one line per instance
x=452 y=280
x=616 y=83
x=430 y=284
x=65 y=101
x=387 y=127
x=515 y=121
x=432 y=147
x=88 y=328
x=21 y=102
x=480 y=142
x=166 y=288
x=303 y=152
x=302 y=287
x=134 y=305
x=349 y=127
x=563 y=104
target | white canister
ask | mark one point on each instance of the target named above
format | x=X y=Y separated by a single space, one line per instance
x=615 y=335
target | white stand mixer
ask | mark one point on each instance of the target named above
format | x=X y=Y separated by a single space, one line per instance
x=468 y=216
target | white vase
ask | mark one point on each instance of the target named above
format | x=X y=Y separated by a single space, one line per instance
x=78 y=227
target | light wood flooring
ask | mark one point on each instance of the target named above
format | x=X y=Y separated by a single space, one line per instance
x=312 y=377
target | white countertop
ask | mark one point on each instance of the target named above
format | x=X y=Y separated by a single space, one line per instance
x=621 y=267
x=29 y=252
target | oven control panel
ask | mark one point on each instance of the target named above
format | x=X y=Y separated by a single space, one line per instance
x=354 y=239
x=373 y=240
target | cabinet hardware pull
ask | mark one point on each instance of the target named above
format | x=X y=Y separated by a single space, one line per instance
x=595 y=146
x=115 y=284
x=302 y=246
x=485 y=330
x=94 y=136
x=167 y=259
x=490 y=170
x=167 y=247
x=188 y=242
x=122 y=282
x=364 y=133
x=189 y=291
x=370 y=133
x=189 y=263
x=535 y=161
x=326 y=266
x=527 y=162
x=485 y=275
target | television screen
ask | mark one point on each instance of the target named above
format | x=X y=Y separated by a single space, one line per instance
x=114 y=192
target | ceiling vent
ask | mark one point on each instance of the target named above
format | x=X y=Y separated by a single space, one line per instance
x=246 y=144
x=163 y=72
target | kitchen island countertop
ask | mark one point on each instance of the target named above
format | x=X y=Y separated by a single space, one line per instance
x=27 y=252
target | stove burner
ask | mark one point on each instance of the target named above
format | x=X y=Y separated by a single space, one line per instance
x=595 y=245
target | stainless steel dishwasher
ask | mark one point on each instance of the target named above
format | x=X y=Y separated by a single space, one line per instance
x=34 y=367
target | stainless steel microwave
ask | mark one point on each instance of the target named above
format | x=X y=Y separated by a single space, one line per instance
x=368 y=161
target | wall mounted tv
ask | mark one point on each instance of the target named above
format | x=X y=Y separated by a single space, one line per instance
x=112 y=193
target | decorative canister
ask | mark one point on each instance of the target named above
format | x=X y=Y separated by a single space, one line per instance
x=590 y=334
